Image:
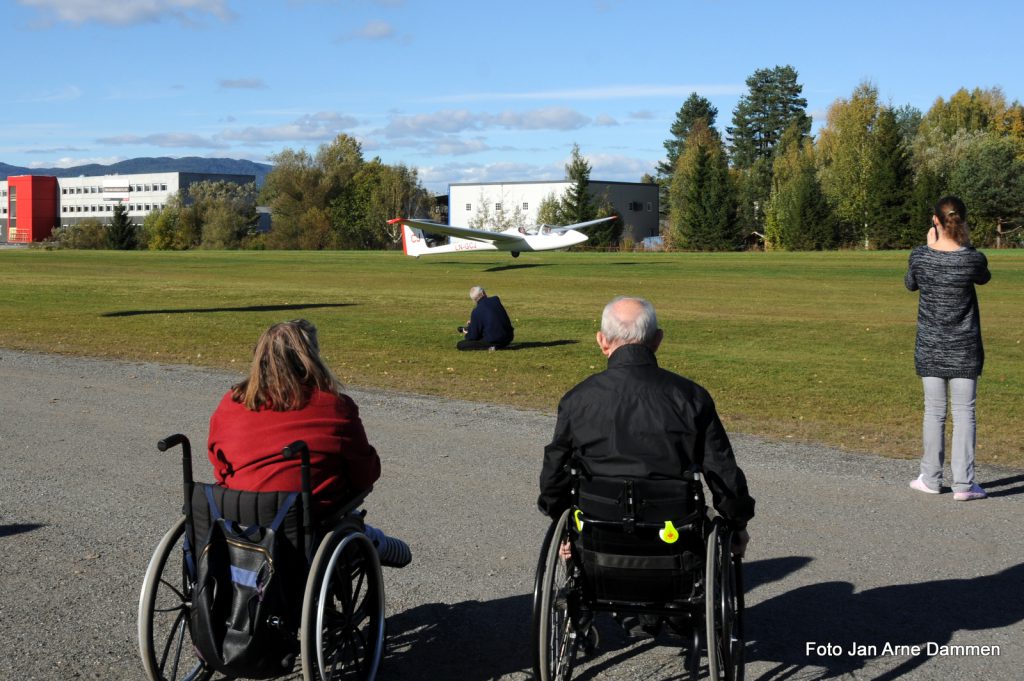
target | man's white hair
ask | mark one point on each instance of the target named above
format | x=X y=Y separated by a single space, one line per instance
x=639 y=329
x=477 y=292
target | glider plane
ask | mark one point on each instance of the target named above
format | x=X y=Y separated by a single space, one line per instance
x=516 y=241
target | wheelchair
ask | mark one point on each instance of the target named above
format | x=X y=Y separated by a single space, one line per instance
x=645 y=548
x=331 y=616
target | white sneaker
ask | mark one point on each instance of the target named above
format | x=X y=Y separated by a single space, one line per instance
x=919 y=485
x=975 y=492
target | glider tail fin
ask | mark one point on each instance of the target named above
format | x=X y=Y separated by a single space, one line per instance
x=413 y=241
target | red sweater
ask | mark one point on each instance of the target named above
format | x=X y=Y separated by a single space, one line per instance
x=245 y=448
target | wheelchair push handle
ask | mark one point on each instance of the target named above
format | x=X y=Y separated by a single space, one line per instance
x=170 y=442
x=300 y=448
x=173 y=441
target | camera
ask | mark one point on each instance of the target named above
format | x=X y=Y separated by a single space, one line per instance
x=462 y=329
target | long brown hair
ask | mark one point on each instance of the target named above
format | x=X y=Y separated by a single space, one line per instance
x=286 y=368
x=952 y=215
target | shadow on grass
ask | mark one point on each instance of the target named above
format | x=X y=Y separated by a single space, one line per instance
x=17 y=528
x=538 y=344
x=1004 y=482
x=523 y=266
x=247 y=308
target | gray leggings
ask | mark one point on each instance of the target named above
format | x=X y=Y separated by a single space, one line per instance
x=962 y=394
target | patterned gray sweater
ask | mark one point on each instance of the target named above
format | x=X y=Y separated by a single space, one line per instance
x=948 y=324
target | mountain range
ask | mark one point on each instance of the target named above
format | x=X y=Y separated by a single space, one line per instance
x=163 y=164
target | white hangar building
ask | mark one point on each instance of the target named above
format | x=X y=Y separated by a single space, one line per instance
x=635 y=202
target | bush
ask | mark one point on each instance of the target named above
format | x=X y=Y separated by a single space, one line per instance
x=88 y=234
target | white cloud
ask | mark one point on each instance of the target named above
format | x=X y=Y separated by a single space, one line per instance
x=51 y=150
x=454 y=121
x=71 y=162
x=243 y=84
x=170 y=140
x=605 y=120
x=321 y=126
x=619 y=168
x=376 y=30
x=642 y=115
x=607 y=92
x=129 y=12
x=64 y=94
x=455 y=146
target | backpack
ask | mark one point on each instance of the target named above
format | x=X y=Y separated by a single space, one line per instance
x=240 y=616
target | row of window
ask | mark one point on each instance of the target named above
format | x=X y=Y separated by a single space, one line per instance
x=161 y=187
x=497 y=206
x=635 y=206
x=109 y=208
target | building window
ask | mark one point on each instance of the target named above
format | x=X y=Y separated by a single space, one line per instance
x=526 y=205
x=149 y=188
x=163 y=186
x=64 y=190
x=497 y=206
x=148 y=207
x=650 y=206
x=469 y=206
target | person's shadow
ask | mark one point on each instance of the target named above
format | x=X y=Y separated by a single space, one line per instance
x=779 y=629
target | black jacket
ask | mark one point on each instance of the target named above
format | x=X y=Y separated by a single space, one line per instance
x=639 y=421
x=489 y=322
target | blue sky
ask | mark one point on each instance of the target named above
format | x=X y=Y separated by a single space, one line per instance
x=463 y=91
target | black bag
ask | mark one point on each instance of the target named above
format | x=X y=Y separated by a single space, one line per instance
x=240 y=610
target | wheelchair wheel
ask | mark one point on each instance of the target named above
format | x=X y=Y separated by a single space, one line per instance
x=555 y=636
x=342 y=633
x=723 y=607
x=165 y=643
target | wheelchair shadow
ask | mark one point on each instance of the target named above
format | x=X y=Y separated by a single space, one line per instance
x=471 y=641
x=779 y=628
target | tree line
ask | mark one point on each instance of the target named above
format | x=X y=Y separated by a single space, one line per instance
x=868 y=179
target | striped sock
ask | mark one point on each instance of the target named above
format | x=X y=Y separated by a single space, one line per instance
x=393 y=552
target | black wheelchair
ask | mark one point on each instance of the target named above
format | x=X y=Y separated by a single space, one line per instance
x=330 y=616
x=645 y=548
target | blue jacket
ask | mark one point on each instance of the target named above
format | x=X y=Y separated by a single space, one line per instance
x=489 y=322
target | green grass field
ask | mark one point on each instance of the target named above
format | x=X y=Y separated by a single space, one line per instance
x=809 y=346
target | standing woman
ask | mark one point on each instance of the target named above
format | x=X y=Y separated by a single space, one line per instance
x=948 y=353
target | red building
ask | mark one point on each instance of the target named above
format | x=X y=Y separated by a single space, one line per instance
x=31 y=207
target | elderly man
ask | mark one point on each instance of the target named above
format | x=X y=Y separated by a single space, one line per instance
x=489 y=327
x=637 y=420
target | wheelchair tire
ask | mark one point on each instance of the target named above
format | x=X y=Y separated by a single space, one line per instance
x=555 y=641
x=342 y=635
x=165 y=644
x=723 y=607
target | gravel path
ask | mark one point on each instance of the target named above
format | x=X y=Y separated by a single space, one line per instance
x=842 y=551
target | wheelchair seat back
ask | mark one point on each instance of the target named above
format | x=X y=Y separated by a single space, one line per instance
x=249 y=565
x=640 y=540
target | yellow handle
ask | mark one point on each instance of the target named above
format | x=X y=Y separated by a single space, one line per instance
x=578 y=517
x=668 y=534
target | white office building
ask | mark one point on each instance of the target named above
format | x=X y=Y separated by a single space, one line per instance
x=635 y=202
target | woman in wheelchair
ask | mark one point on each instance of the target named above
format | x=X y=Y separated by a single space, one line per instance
x=290 y=394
